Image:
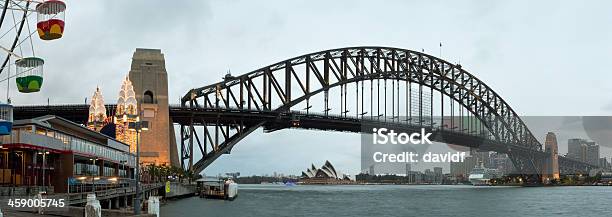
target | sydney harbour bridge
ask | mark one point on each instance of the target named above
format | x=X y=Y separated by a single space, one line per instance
x=341 y=90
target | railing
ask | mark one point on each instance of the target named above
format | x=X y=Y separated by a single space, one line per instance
x=23 y=137
x=48 y=142
x=81 y=197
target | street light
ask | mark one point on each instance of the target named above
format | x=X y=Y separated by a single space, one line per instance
x=123 y=162
x=138 y=126
x=93 y=177
x=44 y=154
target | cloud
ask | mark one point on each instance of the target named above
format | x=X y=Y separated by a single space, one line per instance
x=608 y=107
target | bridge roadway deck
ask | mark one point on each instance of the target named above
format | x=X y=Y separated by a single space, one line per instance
x=274 y=121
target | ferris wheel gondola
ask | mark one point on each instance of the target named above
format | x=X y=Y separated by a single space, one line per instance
x=6 y=119
x=50 y=19
x=16 y=40
x=29 y=74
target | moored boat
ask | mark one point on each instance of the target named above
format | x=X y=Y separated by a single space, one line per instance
x=225 y=189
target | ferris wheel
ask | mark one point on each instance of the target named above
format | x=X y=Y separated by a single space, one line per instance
x=22 y=22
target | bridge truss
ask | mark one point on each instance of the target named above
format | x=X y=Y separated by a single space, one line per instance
x=362 y=83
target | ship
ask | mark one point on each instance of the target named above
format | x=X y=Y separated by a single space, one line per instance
x=480 y=176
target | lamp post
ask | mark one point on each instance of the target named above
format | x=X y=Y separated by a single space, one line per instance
x=138 y=126
x=93 y=175
x=44 y=155
x=123 y=162
x=124 y=175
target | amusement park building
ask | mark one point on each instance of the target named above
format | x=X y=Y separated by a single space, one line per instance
x=62 y=156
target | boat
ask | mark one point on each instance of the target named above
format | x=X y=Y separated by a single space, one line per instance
x=480 y=176
x=224 y=189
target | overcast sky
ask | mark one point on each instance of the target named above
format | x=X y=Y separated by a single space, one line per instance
x=543 y=58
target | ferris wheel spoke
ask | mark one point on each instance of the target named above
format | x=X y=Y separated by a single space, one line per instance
x=14 y=26
x=16 y=5
x=4 y=7
x=15 y=22
x=10 y=52
x=8 y=56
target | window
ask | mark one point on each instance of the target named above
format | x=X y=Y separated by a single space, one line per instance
x=148 y=97
x=41 y=131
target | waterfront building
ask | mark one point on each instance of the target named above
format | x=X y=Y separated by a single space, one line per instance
x=414 y=177
x=482 y=156
x=604 y=163
x=58 y=155
x=428 y=176
x=574 y=148
x=591 y=153
x=550 y=169
x=461 y=170
x=438 y=175
x=583 y=150
x=500 y=162
x=327 y=174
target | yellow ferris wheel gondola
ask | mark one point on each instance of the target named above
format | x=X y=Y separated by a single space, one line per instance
x=29 y=74
x=51 y=16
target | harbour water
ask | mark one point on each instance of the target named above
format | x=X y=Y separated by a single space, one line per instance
x=400 y=200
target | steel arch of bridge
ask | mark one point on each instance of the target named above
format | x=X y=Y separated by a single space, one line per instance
x=272 y=89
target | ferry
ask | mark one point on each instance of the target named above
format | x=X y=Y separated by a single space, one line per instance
x=225 y=189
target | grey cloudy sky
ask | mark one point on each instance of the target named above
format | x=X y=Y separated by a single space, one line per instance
x=543 y=58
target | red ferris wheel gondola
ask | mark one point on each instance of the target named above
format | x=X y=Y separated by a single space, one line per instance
x=51 y=18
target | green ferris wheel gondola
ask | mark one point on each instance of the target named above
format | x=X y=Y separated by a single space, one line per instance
x=29 y=74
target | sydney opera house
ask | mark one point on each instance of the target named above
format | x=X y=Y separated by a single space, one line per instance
x=327 y=174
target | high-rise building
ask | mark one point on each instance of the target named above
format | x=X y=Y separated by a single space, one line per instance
x=438 y=175
x=462 y=169
x=591 y=153
x=603 y=163
x=482 y=156
x=408 y=169
x=583 y=150
x=574 y=148
x=550 y=169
